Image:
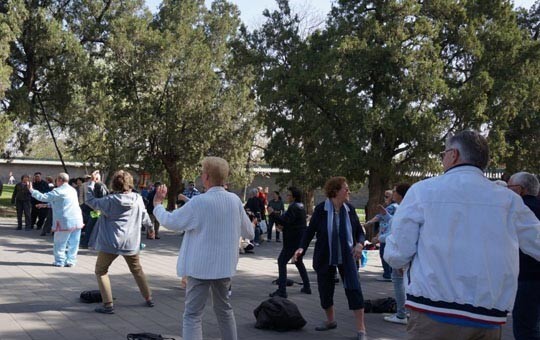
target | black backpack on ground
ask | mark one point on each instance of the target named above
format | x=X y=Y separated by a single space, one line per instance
x=91 y=296
x=278 y=314
x=384 y=305
x=146 y=336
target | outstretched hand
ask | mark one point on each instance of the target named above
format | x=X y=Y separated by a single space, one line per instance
x=161 y=193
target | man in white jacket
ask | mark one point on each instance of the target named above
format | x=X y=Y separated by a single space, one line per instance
x=213 y=223
x=460 y=235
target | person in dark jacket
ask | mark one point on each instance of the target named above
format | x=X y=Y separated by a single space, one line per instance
x=39 y=214
x=99 y=191
x=293 y=224
x=340 y=240
x=152 y=233
x=22 y=199
x=526 y=313
x=276 y=207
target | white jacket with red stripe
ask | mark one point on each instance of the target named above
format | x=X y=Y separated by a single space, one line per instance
x=460 y=233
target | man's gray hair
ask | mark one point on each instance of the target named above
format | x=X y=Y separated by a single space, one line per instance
x=64 y=177
x=253 y=192
x=472 y=146
x=528 y=181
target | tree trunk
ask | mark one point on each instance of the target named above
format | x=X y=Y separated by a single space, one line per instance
x=175 y=183
x=309 y=201
x=377 y=184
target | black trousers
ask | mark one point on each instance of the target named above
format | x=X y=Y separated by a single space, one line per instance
x=326 y=283
x=291 y=241
x=38 y=215
x=47 y=226
x=24 y=208
x=284 y=256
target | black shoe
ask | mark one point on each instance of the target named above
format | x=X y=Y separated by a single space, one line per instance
x=278 y=241
x=83 y=247
x=150 y=303
x=38 y=228
x=104 y=310
x=278 y=293
x=18 y=228
x=305 y=290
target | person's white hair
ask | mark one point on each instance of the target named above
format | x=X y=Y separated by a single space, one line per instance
x=528 y=181
x=63 y=176
x=253 y=192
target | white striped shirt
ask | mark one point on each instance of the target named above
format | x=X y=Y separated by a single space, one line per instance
x=213 y=223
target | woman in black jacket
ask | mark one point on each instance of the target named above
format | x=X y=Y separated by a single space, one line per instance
x=340 y=240
x=293 y=224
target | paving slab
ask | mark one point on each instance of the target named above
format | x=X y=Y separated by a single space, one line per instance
x=39 y=301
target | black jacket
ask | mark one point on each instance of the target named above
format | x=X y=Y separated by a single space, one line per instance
x=529 y=268
x=256 y=206
x=318 y=225
x=294 y=224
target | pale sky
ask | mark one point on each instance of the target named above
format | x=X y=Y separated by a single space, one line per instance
x=251 y=10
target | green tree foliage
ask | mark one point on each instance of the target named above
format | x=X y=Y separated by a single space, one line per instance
x=169 y=93
x=373 y=95
x=522 y=133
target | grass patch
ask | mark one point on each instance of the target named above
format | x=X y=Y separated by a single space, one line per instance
x=6 y=208
x=5 y=199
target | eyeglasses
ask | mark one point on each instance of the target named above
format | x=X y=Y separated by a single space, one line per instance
x=443 y=153
x=513 y=185
x=385 y=196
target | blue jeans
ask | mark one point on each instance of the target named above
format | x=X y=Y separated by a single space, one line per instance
x=66 y=246
x=526 y=313
x=387 y=270
x=399 y=292
x=196 y=295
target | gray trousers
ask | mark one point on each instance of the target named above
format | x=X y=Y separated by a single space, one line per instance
x=196 y=296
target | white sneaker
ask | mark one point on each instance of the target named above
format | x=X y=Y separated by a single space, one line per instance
x=395 y=319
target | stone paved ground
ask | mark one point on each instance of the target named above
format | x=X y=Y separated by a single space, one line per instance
x=39 y=301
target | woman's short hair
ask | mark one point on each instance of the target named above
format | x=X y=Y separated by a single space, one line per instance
x=122 y=181
x=217 y=168
x=333 y=185
x=295 y=193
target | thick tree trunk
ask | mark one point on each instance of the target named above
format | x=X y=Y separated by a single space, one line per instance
x=175 y=184
x=377 y=184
